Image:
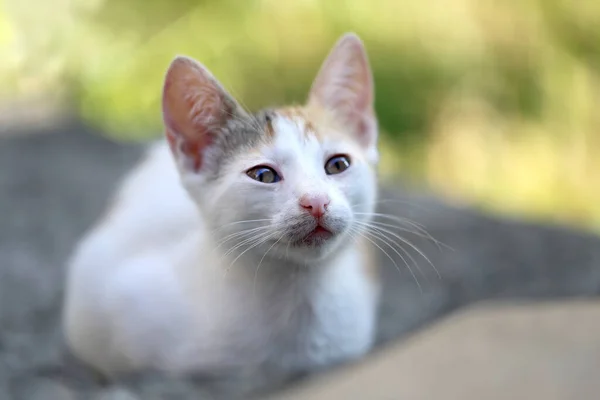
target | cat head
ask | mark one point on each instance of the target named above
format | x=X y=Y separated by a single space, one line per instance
x=298 y=181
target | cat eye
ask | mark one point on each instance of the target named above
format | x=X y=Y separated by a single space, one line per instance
x=263 y=174
x=337 y=164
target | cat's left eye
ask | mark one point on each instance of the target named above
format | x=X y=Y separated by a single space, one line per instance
x=337 y=164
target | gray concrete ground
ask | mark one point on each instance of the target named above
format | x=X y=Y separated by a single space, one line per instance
x=55 y=182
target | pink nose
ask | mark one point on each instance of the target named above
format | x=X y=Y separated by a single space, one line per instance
x=315 y=205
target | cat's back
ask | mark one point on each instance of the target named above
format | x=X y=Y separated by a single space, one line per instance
x=150 y=209
x=151 y=203
x=149 y=214
x=130 y=250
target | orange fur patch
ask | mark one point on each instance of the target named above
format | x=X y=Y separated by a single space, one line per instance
x=269 y=130
x=317 y=121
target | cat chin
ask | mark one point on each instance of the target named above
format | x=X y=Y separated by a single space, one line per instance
x=307 y=255
x=313 y=250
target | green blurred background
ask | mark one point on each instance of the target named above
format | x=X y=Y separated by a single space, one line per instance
x=492 y=102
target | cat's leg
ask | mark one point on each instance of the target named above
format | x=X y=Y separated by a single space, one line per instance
x=122 y=316
x=148 y=313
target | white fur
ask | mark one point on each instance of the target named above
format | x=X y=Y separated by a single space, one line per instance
x=149 y=286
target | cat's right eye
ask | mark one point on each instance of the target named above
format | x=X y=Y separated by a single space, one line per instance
x=263 y=174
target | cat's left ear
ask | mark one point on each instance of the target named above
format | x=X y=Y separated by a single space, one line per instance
x=344 y=86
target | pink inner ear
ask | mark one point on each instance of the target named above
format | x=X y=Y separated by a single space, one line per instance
x=344 y=86
x=193 y=109
x=193 y=150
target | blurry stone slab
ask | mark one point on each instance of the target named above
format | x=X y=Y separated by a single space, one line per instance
x=547 y=351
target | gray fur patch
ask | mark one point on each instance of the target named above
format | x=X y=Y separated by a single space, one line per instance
x=241 y=132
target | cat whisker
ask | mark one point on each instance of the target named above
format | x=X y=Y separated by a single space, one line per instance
x=411 y=231
x=261 y=261
x=244 y=242
x=239 y=234
x=395 y=218
x=363 y=234
x=246 y=221
x=383 y=239
x=251 y=242
x=258 y=242
x=384 y=231
x=420 y=229
x=353 y=235
x=376 y=232
x=245 y=230
x=416 y=233
x=413 y=227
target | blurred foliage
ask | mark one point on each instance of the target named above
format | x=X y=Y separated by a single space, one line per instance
x=487 y=100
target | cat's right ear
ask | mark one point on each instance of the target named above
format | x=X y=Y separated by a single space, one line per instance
x=195 y=109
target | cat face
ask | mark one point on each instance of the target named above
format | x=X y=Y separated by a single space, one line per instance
x=305 y=185
x=293 y=182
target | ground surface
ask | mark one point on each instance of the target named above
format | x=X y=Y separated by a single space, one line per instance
x=548 y=350
x=54 y=184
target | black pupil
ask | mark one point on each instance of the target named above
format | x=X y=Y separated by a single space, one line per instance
x=337 y=165
x=266 y=175
x=263 y=175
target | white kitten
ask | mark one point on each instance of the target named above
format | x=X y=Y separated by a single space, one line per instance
x=237 y=241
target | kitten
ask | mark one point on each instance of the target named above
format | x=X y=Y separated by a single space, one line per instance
x=236 y=242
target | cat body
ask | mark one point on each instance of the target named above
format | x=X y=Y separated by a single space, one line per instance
x=237 y=240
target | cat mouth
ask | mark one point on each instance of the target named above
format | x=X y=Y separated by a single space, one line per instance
x=314 y=233
x=317 y=237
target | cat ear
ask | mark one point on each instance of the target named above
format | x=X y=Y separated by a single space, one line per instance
x=195 y=109
x=344 y=86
